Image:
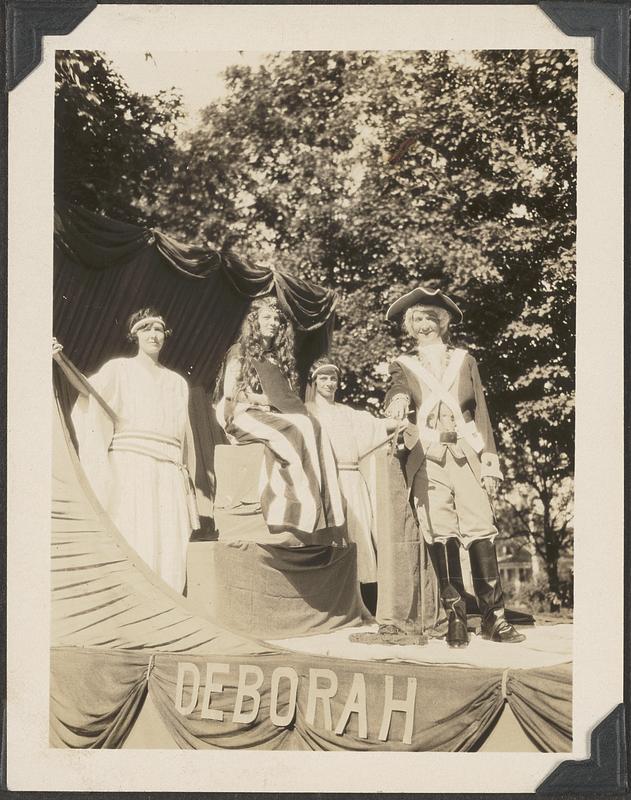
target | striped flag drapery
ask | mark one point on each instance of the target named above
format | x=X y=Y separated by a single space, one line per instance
x=299 y=487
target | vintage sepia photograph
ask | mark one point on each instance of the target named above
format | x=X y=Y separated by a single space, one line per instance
x=314 y=320
x=315 y=401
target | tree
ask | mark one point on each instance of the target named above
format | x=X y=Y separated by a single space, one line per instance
x=540 y=500
x=371 y=171
x=115 y=150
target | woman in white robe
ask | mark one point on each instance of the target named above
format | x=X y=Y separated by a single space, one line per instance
x=140 y=464
x=354 y=435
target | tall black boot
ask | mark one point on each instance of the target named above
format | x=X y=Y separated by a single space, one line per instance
x=369 y=596
x=455 y=576
x=488 y=589
x=457 y=634
x=471 y=602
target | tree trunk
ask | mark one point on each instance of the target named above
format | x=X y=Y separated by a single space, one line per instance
x=552 y=572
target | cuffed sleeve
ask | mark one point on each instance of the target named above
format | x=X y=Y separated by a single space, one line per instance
x=398 y=384
x=490 y=466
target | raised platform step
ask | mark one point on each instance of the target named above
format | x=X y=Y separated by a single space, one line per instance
x=267 y=591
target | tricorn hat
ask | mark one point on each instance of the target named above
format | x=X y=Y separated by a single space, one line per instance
x=425 y=297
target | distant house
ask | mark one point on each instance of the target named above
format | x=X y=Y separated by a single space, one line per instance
x=519 y=563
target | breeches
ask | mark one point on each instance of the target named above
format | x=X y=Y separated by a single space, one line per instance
x=450 y=503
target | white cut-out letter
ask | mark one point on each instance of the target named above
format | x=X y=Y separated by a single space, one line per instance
x=182 y=668
x=245 y=689
x=391 y=705
x=355 y=704
x=323 y=693
x=211 y=686
x=281 y=720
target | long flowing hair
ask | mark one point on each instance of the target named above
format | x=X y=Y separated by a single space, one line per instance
x=252 y=348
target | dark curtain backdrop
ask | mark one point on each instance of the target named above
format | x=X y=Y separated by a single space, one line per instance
x=107 y=269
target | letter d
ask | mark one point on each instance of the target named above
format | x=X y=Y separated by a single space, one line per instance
x=182 y=668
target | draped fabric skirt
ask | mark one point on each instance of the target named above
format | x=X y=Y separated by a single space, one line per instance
x=148 y=503
x=359 y=521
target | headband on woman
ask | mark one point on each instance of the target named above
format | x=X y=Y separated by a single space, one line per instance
x=142 y=323
x=321 y=368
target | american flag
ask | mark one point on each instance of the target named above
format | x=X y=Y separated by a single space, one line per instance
x=299 y=488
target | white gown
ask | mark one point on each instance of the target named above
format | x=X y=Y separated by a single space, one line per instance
x=353 y=435
x=136 y=465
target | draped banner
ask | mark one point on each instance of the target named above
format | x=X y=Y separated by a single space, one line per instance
x=293 y=701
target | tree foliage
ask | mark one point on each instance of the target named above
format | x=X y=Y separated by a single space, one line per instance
x=539 y=497
x=371 y=172
x=115 y=149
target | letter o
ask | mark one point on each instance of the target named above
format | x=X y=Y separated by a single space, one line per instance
x=282 y=720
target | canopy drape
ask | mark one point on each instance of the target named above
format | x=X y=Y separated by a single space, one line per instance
x=106 y=269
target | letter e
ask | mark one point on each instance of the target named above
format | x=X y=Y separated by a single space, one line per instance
x=211 y=686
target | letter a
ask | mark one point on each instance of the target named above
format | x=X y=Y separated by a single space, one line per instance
x=355 y=704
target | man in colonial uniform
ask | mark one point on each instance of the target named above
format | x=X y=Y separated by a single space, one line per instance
x=452 y=469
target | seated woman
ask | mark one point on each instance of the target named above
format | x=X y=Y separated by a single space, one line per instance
x=354 y=435
x=300 y=492
x=139 y=459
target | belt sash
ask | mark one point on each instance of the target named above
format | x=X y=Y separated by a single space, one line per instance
x=165 y=449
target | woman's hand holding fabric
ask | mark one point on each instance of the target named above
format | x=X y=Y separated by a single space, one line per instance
x=258 y=400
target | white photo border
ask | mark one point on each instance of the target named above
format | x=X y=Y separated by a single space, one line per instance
x=598 y=615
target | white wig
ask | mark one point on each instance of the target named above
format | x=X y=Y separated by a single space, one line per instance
x=444 y=317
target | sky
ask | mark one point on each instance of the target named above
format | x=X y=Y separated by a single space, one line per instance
x=196 y=75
